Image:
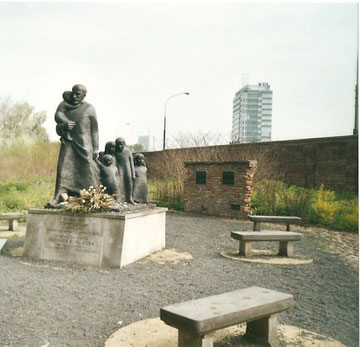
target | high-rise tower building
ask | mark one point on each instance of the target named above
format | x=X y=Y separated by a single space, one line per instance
x=147 y=141
x=252 y=110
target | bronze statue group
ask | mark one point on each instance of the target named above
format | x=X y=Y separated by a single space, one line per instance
x=124 y=175
x=80 y=165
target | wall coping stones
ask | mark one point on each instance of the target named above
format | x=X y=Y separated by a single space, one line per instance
x=220 y=162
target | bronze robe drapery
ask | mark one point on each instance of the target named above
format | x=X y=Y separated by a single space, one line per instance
x=76 y=167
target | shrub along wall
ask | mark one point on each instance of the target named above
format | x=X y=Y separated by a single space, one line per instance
x=310 y=163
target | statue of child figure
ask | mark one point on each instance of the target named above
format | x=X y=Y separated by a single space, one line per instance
x=140 y=183
x=109 y=175
x=109 y=149
x=125 y=166
x=64 y=126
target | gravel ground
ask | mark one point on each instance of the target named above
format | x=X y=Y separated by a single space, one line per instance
x=45 y=304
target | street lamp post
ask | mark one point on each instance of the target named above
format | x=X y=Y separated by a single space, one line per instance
x=185 y=93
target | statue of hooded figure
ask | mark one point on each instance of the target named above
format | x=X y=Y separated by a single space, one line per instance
x=109 y=175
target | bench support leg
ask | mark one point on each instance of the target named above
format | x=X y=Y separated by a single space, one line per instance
x=257 y=226
x=245 y=248
x=187 y=339
x=286 y=249
x=13 y=224
x=287 y=226
x=264 y=330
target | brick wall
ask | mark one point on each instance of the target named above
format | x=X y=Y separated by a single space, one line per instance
x=211 y=195
x=331 y=161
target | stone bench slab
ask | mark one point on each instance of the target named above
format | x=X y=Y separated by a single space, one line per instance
x=266 y=236
x=275 y=219
x=11 y=215
x=220 y=311
x=285 y=239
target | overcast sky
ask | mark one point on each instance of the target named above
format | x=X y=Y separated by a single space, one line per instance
x=132 y=56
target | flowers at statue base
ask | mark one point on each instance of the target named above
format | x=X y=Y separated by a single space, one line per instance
x=91 y=200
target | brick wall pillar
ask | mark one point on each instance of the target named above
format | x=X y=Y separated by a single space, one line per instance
x=219 y=188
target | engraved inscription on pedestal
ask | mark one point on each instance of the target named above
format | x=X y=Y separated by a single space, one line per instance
x=97 y=239
x=71 y=238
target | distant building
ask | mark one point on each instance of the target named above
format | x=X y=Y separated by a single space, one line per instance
x=147 y=141
x=252 y=113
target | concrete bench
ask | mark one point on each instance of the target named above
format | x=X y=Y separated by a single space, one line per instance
x=12 y=217
x=273 y=219
x=197 y=320
x=285 y=239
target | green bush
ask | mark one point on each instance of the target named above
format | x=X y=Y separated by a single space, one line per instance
x=275 y=198
x=321 y=207
x=25 y=193
x=337 y=211
x=267 y=197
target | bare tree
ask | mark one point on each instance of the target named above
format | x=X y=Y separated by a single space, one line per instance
x=200 y=139
x=208 y=147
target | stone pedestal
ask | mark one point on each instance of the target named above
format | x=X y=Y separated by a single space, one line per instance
x=96 y=239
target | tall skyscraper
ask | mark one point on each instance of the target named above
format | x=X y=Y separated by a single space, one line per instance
x=147 y=141
x=252 y=111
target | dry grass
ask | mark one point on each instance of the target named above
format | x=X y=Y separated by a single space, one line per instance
x=23 y=160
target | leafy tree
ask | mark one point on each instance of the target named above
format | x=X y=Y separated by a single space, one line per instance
x=137 y=147
x=18 y=122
